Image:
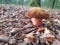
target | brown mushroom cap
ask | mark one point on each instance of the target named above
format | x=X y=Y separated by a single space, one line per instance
x=37 y=12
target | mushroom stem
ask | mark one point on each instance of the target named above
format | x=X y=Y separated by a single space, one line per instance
x=36 y=21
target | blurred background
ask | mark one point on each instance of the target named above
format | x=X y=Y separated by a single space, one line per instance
x=40 y=3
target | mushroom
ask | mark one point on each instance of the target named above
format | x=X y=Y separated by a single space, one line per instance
x=36 y=21
x=37 y=14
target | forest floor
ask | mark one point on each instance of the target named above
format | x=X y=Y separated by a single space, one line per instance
x=14 y=26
